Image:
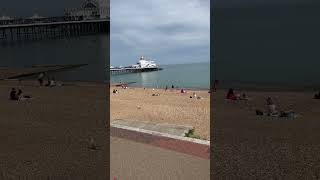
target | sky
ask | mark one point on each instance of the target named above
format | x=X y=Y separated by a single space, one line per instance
x=47 y=8
x=276 y=41
x=169 y=32
x=260 y=3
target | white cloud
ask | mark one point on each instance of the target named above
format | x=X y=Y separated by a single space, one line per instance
x=157 y=26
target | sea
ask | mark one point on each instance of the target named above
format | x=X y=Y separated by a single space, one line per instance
x=189 y=76
x=272 y=45
x=280 y=69
x=92 y=50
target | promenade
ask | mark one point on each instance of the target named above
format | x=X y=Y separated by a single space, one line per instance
x=140 y=161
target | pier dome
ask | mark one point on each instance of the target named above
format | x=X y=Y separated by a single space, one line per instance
x=88 y=4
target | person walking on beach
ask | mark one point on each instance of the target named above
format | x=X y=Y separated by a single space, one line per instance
x=166 y=88
x=40 y=78
x=215 y=84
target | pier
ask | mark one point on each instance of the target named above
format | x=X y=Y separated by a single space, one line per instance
x=93 y=17
x=52 y=30
x=133 y=70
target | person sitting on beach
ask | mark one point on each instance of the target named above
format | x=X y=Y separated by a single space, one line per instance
x=19 y=93
x=48 y=82
x=13 y=94
x=231 y=95
x=244 y=97
x=52 y=82
x=183 y=91
x=40 y=78
x=271 y=107
x=114 y=91
x=194 y=95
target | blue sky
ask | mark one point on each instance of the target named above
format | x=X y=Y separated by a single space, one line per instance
x=168 y=31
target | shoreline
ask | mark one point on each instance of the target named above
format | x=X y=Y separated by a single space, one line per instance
x=272 y=89
x=147 y=87
x=252 y=86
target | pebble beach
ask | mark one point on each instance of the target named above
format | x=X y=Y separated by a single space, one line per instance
x=170 y=106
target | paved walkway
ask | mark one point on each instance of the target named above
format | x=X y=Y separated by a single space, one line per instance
x=138 y=161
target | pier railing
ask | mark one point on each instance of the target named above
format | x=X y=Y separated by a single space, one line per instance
x=42 y=20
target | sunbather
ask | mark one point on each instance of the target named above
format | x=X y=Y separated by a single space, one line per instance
x=18 y=96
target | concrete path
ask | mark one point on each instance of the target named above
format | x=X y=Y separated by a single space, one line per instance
x=132 y=160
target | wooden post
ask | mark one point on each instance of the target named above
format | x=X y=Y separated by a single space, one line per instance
x=11 y=34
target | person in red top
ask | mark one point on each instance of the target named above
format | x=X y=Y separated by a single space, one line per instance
x=231 y=95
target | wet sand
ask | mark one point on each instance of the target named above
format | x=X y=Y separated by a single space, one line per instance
x=170 y=107
x=47 y=136
x=246 y=146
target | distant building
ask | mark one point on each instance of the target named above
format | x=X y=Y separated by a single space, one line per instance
x=5 y=18
x=36 y=16
x=90 y=9
x=104 y=6
x=34 y=19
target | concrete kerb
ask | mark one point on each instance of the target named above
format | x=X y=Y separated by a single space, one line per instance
x=154 y=133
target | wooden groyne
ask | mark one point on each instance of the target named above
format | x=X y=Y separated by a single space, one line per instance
x=20 y=73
